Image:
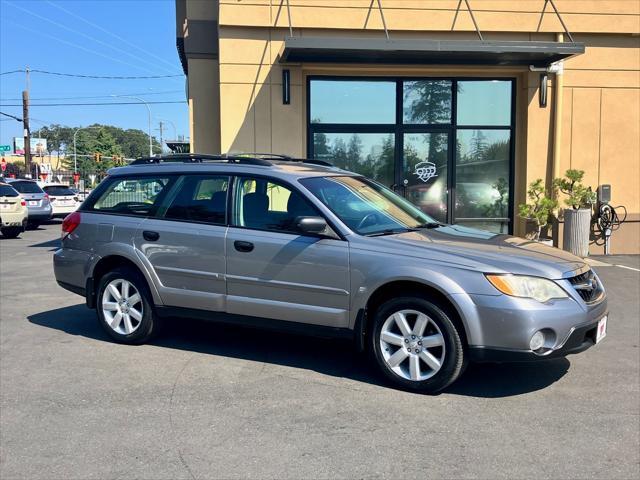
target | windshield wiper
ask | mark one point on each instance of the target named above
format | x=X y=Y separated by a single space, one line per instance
x=430 y=225
x=390 y=231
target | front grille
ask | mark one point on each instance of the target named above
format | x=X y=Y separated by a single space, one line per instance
x=587 y=286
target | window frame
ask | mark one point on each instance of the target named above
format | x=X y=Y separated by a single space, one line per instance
x=88 y=205
x=231 y=207
x=161 y=211
x=399 y=128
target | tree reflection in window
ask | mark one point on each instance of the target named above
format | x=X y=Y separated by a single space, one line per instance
x=369 y=154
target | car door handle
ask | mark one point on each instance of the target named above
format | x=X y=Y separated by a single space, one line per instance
x=243 y=246
x=150 y=236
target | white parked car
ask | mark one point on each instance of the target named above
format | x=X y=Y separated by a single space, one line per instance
x=63 y=199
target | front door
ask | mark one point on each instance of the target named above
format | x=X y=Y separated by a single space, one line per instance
x=273 y=271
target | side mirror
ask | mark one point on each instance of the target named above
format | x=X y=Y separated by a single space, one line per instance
x=311 y=224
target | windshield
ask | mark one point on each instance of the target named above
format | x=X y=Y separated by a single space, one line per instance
x=367 y=207
x=26 y=187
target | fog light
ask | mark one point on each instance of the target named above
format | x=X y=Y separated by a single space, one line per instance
x=537 y=341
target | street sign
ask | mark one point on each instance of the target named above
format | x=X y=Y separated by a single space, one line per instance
x=5 y=148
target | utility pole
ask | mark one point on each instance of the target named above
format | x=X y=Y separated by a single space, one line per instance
x=27 y=130
x=160 y=137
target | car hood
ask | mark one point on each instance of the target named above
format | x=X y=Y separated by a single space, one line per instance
x=484 y=251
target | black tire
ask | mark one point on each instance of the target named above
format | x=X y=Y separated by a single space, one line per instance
x=149 y=325
x=32 y=225
x=11 y=232
x=454 y=360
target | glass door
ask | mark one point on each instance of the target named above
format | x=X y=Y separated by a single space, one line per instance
x=425 y=172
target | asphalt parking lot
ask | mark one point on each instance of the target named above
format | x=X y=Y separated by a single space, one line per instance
x=206 y=401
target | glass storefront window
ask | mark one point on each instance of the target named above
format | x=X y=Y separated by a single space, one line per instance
x=353 y=101
x=427 y=101
x=369 y=154
x=482 y=175
x=425 y=167
x=484 y=102
x=445 y=144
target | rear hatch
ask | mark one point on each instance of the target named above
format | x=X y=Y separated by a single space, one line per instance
x=30 y=192
x=61 y=195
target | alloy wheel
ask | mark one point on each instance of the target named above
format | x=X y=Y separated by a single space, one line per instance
x=122 y=306
x=412 y=345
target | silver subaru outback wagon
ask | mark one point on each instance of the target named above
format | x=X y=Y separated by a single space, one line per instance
x=269 y=241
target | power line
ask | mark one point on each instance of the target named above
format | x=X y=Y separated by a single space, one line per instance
x=102 y=77
x=144 y=94
x=90 y=104
x=94 y=25
x=93 y=52
x=82 y=34
x=11 y=116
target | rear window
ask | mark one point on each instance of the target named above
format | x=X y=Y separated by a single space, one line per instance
x=26 y=187
x=130 y=196
x=58 y=190
x=7 y=191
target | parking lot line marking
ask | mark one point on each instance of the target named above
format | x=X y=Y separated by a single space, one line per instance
x=628 y=268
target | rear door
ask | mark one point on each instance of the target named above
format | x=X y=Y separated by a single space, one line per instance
x=273 y=270
x=184 y=243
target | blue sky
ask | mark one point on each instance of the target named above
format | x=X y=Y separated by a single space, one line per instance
x=91 y=37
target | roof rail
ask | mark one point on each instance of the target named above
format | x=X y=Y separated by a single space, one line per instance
x=261 y=159
x=201 y=158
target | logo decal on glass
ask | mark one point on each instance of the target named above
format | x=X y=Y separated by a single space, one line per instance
x=425 y=171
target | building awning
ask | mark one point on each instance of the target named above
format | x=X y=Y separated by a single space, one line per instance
x=426 y=52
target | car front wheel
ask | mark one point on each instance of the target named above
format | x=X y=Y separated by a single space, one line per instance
x=416 y=345
x=124 y=306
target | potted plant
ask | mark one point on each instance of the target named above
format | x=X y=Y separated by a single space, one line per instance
x=577 y=218
x=539 y=207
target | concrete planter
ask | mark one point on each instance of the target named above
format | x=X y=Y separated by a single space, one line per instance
x=577 y=224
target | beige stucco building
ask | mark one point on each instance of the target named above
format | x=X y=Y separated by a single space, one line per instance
x=412 y=93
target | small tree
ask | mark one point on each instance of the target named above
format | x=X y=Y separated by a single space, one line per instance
x=539 y=208
x=578 y=196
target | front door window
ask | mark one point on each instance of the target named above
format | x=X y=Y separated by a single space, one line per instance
x=445 y=144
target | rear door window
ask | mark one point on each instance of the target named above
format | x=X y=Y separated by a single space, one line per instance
x=199 y=198
x=136 y=196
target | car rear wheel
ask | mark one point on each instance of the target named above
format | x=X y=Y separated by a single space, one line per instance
x=416 y=345
x=32 y=225
x=11 y=232
x=124 y=306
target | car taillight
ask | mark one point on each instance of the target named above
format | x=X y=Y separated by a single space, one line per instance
x=23 y=203
x=70 y=223
x=46 y=198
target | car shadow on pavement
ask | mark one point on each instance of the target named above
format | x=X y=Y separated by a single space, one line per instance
x=54 y=244
x=332 y=357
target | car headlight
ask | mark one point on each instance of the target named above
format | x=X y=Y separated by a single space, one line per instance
x=539 y=289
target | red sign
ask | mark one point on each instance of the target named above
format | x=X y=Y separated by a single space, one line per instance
x=44 y=176
x=76 y=177
x=3 y=165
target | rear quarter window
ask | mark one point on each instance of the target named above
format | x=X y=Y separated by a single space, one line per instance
x=135 y=196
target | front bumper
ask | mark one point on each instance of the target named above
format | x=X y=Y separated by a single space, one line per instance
x=499 y=327
x=580 y=339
